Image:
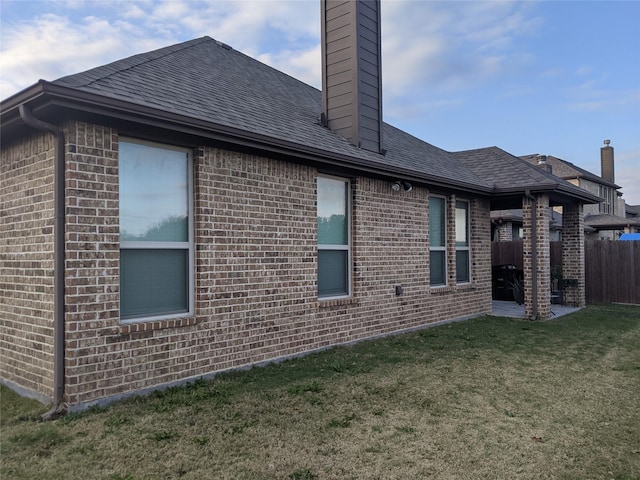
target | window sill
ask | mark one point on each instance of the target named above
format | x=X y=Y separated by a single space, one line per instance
x=148 y=326
x=465 y=287
x=336 y=302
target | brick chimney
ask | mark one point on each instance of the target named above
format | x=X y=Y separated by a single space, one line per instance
x=606 y=162
x=352 y=71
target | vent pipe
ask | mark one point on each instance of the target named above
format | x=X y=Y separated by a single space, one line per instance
x=542 y=163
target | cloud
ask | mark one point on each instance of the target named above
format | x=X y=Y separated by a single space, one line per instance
x=46 y=55
x=170 y=10
x=300 y=64
x=593 y=99
x=59 y=45
x=439 y=45
x=452 y=45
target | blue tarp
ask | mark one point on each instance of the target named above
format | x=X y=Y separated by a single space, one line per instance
x=630 y=236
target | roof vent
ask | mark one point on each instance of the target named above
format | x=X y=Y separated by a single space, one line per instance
x=542 y=159
x=224 y=45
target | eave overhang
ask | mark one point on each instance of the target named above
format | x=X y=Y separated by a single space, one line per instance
x=49 y=101
x=559 y=193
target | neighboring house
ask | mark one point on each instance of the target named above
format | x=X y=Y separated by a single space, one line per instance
x=190 y=210
x=507 y=225
x=632 y=212
x=603 y=221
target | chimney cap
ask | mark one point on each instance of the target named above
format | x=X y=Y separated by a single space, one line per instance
x=607 y=142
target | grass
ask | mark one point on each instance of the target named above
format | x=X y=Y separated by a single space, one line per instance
x=487 y=398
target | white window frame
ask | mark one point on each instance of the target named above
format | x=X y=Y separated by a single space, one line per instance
x=606 y=193
x=347 y=247
x=467 y=247
x=442 y=248
x=188 y=245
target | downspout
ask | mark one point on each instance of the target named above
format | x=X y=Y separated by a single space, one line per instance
x=59 y=406
x=534 y=253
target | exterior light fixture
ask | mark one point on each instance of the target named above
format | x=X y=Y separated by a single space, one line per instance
x=395 y=186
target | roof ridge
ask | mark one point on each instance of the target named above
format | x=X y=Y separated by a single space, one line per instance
x=169 y=50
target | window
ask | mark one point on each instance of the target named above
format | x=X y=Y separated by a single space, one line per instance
x=437 y=241
x=462 y=242
x=606 y=193
x=156 y=253
x=334 y=272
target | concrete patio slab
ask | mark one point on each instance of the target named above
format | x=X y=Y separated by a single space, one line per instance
x=513 y=310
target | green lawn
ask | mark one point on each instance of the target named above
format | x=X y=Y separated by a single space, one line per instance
x=490 y=398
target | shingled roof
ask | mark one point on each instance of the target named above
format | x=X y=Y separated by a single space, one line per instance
x=208 y=87
x=568 y=170
x=510 y=174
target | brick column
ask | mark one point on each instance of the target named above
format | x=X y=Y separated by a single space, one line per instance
x=573 y=255
x=536 y=248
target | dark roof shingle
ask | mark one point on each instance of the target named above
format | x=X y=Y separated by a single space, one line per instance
x=208 y=81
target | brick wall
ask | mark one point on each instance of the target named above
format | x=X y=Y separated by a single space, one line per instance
x=26 y=264
x=92 y=259
x=255 y=270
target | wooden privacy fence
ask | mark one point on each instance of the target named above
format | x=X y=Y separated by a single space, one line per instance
x=612 y=271
x=612 y=268
x=510 y=253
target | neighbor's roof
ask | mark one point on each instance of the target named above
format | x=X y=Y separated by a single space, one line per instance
x=206 y=88
x=633 y=210
x=515 y=215
x=606 y=221
x=566 y=170
x=497 y=166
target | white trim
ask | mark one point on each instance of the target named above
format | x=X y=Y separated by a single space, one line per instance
x=188 y=245
x=442 y=248
x=347 y=247
x=464 y=248
x=136 y=245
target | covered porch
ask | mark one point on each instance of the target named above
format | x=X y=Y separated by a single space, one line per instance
x=536 y=210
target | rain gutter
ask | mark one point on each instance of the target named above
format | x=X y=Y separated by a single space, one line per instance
x=58 y=96
x=59 y=406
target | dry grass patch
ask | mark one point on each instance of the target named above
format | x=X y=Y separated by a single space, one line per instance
x=488 y=398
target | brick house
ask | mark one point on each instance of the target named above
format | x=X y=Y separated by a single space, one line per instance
x=632 y=213
x=190 y=210
x=604 y=220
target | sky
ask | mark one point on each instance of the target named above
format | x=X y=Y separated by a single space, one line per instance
x=548 y=77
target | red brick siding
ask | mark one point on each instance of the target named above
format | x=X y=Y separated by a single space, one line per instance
x=255 y=270
x=92 y=258
x=26 y=263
